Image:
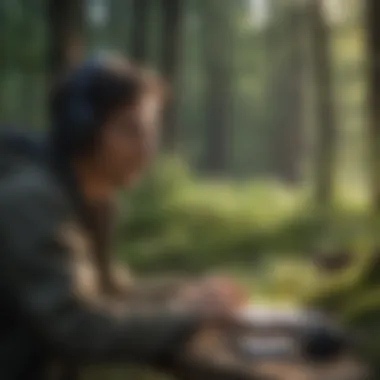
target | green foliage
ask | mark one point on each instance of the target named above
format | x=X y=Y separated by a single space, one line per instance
x=175 y=221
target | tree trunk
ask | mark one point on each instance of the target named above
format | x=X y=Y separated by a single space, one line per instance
x=218 y=69
x=139 y=30
x=170 y=62
x=28 y=67
x=119 y=22
x=373 y=44
x=65 y=45
x=326 y=124
x=289 y=131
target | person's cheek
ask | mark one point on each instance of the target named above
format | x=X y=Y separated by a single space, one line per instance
x=134 y=167
x=135 y=158
x=140 y=155
x=150 y=148
x=122 y=158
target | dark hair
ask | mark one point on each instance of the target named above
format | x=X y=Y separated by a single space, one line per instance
x=83 y=101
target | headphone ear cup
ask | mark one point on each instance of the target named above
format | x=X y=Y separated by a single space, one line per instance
x=80 y=113
x=78 y=116
x=79 y=109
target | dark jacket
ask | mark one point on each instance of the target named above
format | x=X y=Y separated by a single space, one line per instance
x=56 y=314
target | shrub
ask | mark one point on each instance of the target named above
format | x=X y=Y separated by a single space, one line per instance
x=176 y=221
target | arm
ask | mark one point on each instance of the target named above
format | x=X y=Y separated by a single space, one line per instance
x=35 y=273
x=154 y=291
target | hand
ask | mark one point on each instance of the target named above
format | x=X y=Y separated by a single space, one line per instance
x=217 y=299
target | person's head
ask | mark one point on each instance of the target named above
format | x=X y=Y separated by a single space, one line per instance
x=105 y=115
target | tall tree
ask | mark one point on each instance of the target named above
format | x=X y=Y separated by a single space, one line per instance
x=324 y=106
x=170 y=64
x=288 y=91
x=119 y=24
x=28 y=60
x=373 y=44
x=65 y=44
x=139 y=30
x=217 y=26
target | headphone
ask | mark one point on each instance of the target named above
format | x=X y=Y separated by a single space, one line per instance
x=76 y=121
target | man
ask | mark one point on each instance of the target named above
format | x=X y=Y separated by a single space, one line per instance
x=65 y=305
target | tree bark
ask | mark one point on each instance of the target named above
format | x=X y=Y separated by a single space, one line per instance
x=65 y=45
x=289 y=131
x=170 y=62
x=139 y=32
x=218 y=69
x=373 y=46
x=326 y=125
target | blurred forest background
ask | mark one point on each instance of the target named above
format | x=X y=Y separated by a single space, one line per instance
x=270 y=167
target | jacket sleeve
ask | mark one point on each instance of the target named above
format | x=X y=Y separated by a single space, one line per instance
x=36 y=276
